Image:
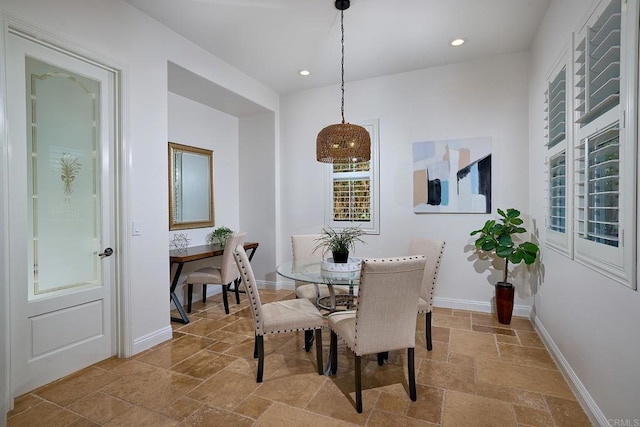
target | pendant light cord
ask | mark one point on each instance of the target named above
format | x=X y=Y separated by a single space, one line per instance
x=342 y=62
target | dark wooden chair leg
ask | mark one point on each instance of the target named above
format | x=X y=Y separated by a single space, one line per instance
x=189 y=296
x=333 y=351
x=382 y=357
x=255 y=348
x=204 y=293
x=412 y=374
x=308 y=340
x=427 y=330
x=358 y=385
x=319 y=351
x=260 y=340
x=225 y=299
x=236 y=284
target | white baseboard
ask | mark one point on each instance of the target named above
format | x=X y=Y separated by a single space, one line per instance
x=481 y=306
x=274 y=286
x=586 y=401
x=154 y=338
x=458 y=304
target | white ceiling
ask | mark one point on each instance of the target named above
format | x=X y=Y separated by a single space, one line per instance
x=270 y=40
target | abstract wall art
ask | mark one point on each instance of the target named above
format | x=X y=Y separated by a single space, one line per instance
x=452 y=176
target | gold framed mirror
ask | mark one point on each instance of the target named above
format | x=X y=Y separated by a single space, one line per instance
x=190 y=187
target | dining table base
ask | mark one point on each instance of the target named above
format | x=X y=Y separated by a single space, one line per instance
x=331 y=303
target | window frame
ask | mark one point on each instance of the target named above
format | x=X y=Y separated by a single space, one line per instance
x=372 y=226
x=562 y=242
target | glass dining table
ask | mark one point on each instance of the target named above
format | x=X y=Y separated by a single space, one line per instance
x=311 y=271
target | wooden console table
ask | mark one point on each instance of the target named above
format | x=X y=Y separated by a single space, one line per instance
x=194 y=253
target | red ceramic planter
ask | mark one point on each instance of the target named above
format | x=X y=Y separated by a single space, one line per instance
x=504 y=302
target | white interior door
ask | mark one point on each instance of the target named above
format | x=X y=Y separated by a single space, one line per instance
x=61 y=193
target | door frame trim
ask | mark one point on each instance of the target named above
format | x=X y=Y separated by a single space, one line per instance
x=122 y=328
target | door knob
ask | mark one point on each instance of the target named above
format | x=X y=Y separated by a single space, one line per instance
x=107 y=252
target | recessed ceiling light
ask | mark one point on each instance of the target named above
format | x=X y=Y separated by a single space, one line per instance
x=304 y=72
x=457 y=42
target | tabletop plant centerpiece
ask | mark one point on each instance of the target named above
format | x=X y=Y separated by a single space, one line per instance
x=339 y=242
x=219 y=236
x=497 y=238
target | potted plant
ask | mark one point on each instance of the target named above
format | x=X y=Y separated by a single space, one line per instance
x=219 y=235
x=339 y=242
x=497 y=238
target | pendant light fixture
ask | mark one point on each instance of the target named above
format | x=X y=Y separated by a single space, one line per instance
x=343 y=142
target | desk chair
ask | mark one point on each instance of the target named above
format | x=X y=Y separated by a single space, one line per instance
x=432 y=250
x=385 y=318
x=223 y=275
x=279 y=316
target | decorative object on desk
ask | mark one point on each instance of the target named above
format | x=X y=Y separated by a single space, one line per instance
x=339 y=242
x=180 y=241
x=496 y=238
x=219 y=235
x=343 y=142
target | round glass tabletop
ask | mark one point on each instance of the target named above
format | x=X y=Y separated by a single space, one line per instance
x=311 y=271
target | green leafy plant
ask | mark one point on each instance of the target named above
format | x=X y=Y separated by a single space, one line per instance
x=339 y=241
x=495 y=237
x=219 y=235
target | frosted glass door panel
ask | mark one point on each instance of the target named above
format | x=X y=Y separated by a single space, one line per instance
x=64 y=188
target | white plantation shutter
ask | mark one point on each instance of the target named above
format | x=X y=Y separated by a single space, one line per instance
x=352 y=192
x=557 y=101
x=558 y=193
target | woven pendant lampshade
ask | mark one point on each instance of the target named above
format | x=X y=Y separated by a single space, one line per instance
x=343 y=142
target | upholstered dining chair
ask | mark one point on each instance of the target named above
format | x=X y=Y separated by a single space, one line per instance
x=432 y=250
x=223 y=275
x=385 y=318
x=303 y=249
x=278 y=316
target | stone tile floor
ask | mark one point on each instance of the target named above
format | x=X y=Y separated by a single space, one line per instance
x=480 y=373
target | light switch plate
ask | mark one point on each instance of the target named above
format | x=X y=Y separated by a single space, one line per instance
x=136 y=228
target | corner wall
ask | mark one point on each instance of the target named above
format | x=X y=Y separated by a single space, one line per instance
x=258 y=197
x=590 y=321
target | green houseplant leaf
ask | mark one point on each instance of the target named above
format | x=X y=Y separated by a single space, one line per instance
x=339 y=241
x=497 y=238
x=219 y=235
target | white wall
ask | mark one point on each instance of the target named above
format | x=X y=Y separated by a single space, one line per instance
x=121 y=35
x=487 y=97
x=593 y=321
x=258 y=177
x=195 y=124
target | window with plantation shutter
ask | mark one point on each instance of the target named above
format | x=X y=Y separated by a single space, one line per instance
x=598 y=63
x=556 y=109
x=557 y=193
x=557 y=102
x=605 y=140
x=598 y=183
x=352 y=190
